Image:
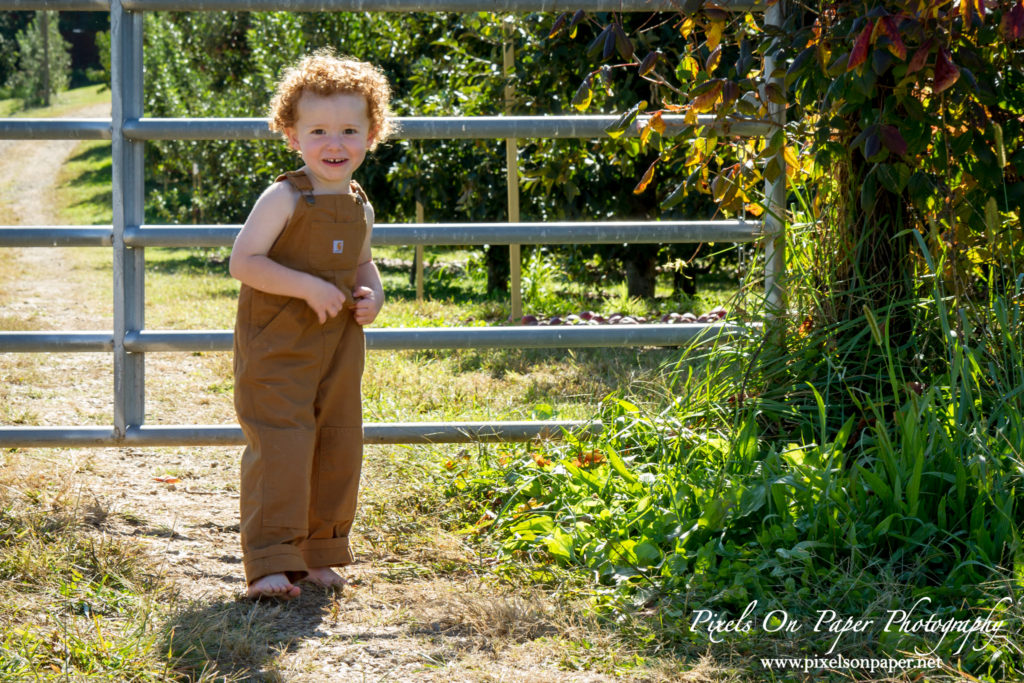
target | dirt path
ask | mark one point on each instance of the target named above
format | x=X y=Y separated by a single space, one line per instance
x=421 y=607
x=26 y=198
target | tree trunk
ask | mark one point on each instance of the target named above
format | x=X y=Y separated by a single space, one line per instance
x=44 y=27
x=496 y=257
x=641 y=262
x=684 y=281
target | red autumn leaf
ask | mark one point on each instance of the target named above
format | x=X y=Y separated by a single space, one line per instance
x=1012 y=25
x=946 y=72
x=892 y=139
x=920 y=57
x=860 y=47
x=896 y=46
x=166 y=479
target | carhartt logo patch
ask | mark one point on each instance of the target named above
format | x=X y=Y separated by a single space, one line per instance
x=339 y=246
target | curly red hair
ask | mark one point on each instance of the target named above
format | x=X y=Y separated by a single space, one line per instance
x=323 y=73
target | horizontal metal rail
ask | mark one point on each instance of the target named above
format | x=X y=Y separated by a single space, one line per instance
x=391 y=339
x=409 y=128
x=444 y=127
x=55 y=129
x=57 y=5
x=405 y=234
x=56 y=342
x=56 y=236
x=373 y=5
x=231 y=435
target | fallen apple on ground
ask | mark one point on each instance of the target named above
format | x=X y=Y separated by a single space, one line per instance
x=593 y=318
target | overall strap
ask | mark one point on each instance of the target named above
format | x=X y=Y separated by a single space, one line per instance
x=301 y=182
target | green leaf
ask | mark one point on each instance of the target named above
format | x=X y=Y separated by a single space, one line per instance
x=619 y=465
x=775 y=94
x=596 y=46
x=622 y=43
x=559 y=544
x=868 y=193
x=715 y=512
x=799 y=62
x=674 y=197
x=584 y=94
x=533 y=526
x=646 y=553
x=876 y=483
x=883 y=527
x=914 y=485
x=626 y=120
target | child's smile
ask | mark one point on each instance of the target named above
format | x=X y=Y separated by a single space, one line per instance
x=333 y=135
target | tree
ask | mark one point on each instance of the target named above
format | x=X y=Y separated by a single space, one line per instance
x=44 y=63
x=10 y=24
x=213 y=64
x=904 y=116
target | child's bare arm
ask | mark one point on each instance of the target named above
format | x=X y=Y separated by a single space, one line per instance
x=251 y=265
x=369 y=292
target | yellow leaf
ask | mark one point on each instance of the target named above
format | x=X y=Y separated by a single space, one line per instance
x=714 y=59
x=646 y=180
x=714 y=34
x=657 y=123
x=790 y=156
x=585 y=101
x=706 y=101
x=690 y=66
x=690 y=119
x=686 y=28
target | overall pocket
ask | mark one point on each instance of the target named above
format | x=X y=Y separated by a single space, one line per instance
x=336 y=246
x=272 y=312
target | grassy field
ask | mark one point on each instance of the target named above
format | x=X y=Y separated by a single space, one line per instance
x=87 y=564
x=64 y=102
x=819 y=475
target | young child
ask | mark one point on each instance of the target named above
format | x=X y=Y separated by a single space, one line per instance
x=308 y=286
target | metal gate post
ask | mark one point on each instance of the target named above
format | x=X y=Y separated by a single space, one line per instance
x=775 y=192
x=127 y=179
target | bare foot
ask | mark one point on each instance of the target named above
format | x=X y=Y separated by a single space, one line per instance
x=324 y=576
x=276 y=586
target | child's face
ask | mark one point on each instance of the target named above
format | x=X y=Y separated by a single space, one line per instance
x=332 y=133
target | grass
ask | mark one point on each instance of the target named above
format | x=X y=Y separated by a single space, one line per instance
x=828 y=467
x=62 y=103
x=89 y=595
x=832 y=470
x=76 y=602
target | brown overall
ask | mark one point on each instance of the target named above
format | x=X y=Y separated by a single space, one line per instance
x=297 y=395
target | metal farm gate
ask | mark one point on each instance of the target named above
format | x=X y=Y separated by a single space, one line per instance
x=128 y=131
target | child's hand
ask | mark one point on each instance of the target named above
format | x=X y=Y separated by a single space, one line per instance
x=366 y=305
x=325 y=299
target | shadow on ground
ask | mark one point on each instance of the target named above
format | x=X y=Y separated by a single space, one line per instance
x=238 y=640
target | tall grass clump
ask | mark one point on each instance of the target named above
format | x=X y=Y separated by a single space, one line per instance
x=820 y=469
x=78 y=603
